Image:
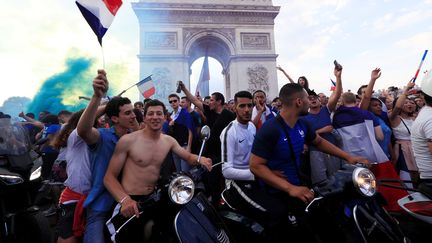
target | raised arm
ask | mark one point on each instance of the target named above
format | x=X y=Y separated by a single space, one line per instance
x=400 y=102
x=85 y=127
x=334 y=97
x=286 y=74
x=31 y=120
x=364 y=103
x=198 y=103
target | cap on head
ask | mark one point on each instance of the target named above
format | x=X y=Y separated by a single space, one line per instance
x=426 y=84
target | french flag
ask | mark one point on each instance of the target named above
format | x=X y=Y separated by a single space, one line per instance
x=333 y=87
x=146 y=87
x=99 y=14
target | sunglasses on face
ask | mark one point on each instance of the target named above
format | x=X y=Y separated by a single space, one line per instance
x=172 y=101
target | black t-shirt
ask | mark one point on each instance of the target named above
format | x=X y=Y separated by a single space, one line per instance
x=216 y=122
x=180 y=133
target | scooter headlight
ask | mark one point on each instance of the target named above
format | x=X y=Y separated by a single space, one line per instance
x=11 y=179
x=365 y=182
x=181 y=189
x=36 y=174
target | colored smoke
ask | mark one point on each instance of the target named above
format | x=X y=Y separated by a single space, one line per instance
x=61 y=91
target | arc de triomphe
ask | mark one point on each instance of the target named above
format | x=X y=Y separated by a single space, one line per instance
x=237 y=33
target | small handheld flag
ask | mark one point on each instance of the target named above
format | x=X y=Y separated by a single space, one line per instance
x=99 y=14
x=421 y=64
x=146 y=87
x=333 y=87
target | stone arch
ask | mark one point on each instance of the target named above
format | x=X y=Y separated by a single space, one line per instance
x=237 y=33
x=212 y=42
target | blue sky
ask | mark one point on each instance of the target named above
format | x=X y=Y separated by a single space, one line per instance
x=391 y=34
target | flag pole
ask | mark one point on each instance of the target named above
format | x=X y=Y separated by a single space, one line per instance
x=103 y=57
x=132 y=86
x=421 y=64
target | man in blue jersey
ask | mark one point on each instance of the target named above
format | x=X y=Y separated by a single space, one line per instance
x=102 y=142
x=242 y=192
x=275 y=159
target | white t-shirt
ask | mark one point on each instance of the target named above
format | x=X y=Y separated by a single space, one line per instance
x=263 y=115
x=421 y=134
x=236 y=145
x=78 y=164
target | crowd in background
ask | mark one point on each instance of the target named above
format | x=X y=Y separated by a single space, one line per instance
x=387 y=113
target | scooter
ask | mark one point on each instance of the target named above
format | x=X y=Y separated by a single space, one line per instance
x=416 y=217
x=360 y=206
x=187 y=213
x=20 y=179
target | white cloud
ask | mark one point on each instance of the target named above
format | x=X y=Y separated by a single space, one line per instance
x=396 y=21
x=416 y=42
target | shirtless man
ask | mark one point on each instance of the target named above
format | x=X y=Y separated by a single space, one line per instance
x=139 y=156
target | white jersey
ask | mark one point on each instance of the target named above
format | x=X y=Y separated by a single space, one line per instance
x=263 y=115
x=421 y=135
x=236 y=145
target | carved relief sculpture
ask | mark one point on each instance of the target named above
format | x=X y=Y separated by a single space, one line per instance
x=161 y=40
x=258 y=78
x=161 y=77
x=255 y=41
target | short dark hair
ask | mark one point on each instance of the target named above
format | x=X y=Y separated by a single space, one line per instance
x=31 y=115
x=218 y=96
x=139 y=103
x=257 y=91
x=64 y=112
x=138 y=115
x=428 y=99
x=275 y=99
x=361 y=87
x=154 y=102
x=113 y=106
x=242 y=94
x=207 y=97
x=185 y=97
x=50 y=119
x=147 y=100
x=287 y=92
x=174 y=95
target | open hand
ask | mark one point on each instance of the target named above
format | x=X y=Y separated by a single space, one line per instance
x=376 y=73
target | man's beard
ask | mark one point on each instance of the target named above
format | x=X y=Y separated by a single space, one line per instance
x=304 y=112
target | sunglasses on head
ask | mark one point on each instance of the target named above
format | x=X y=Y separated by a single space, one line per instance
x=172 y=101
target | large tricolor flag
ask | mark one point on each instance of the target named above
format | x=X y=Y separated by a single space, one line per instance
x=203 y=82
x=99 y=14
x=146 y=87
x=356 y=129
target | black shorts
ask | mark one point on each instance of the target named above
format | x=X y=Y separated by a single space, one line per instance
x=65 y=220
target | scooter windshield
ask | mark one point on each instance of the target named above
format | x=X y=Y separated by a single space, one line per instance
x=14 y=139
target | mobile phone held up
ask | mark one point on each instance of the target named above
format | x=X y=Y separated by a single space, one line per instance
x=337 y=65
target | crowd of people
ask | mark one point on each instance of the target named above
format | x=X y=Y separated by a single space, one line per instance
x=109 y=155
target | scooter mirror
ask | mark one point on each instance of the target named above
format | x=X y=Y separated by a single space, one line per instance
x=205 y=132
